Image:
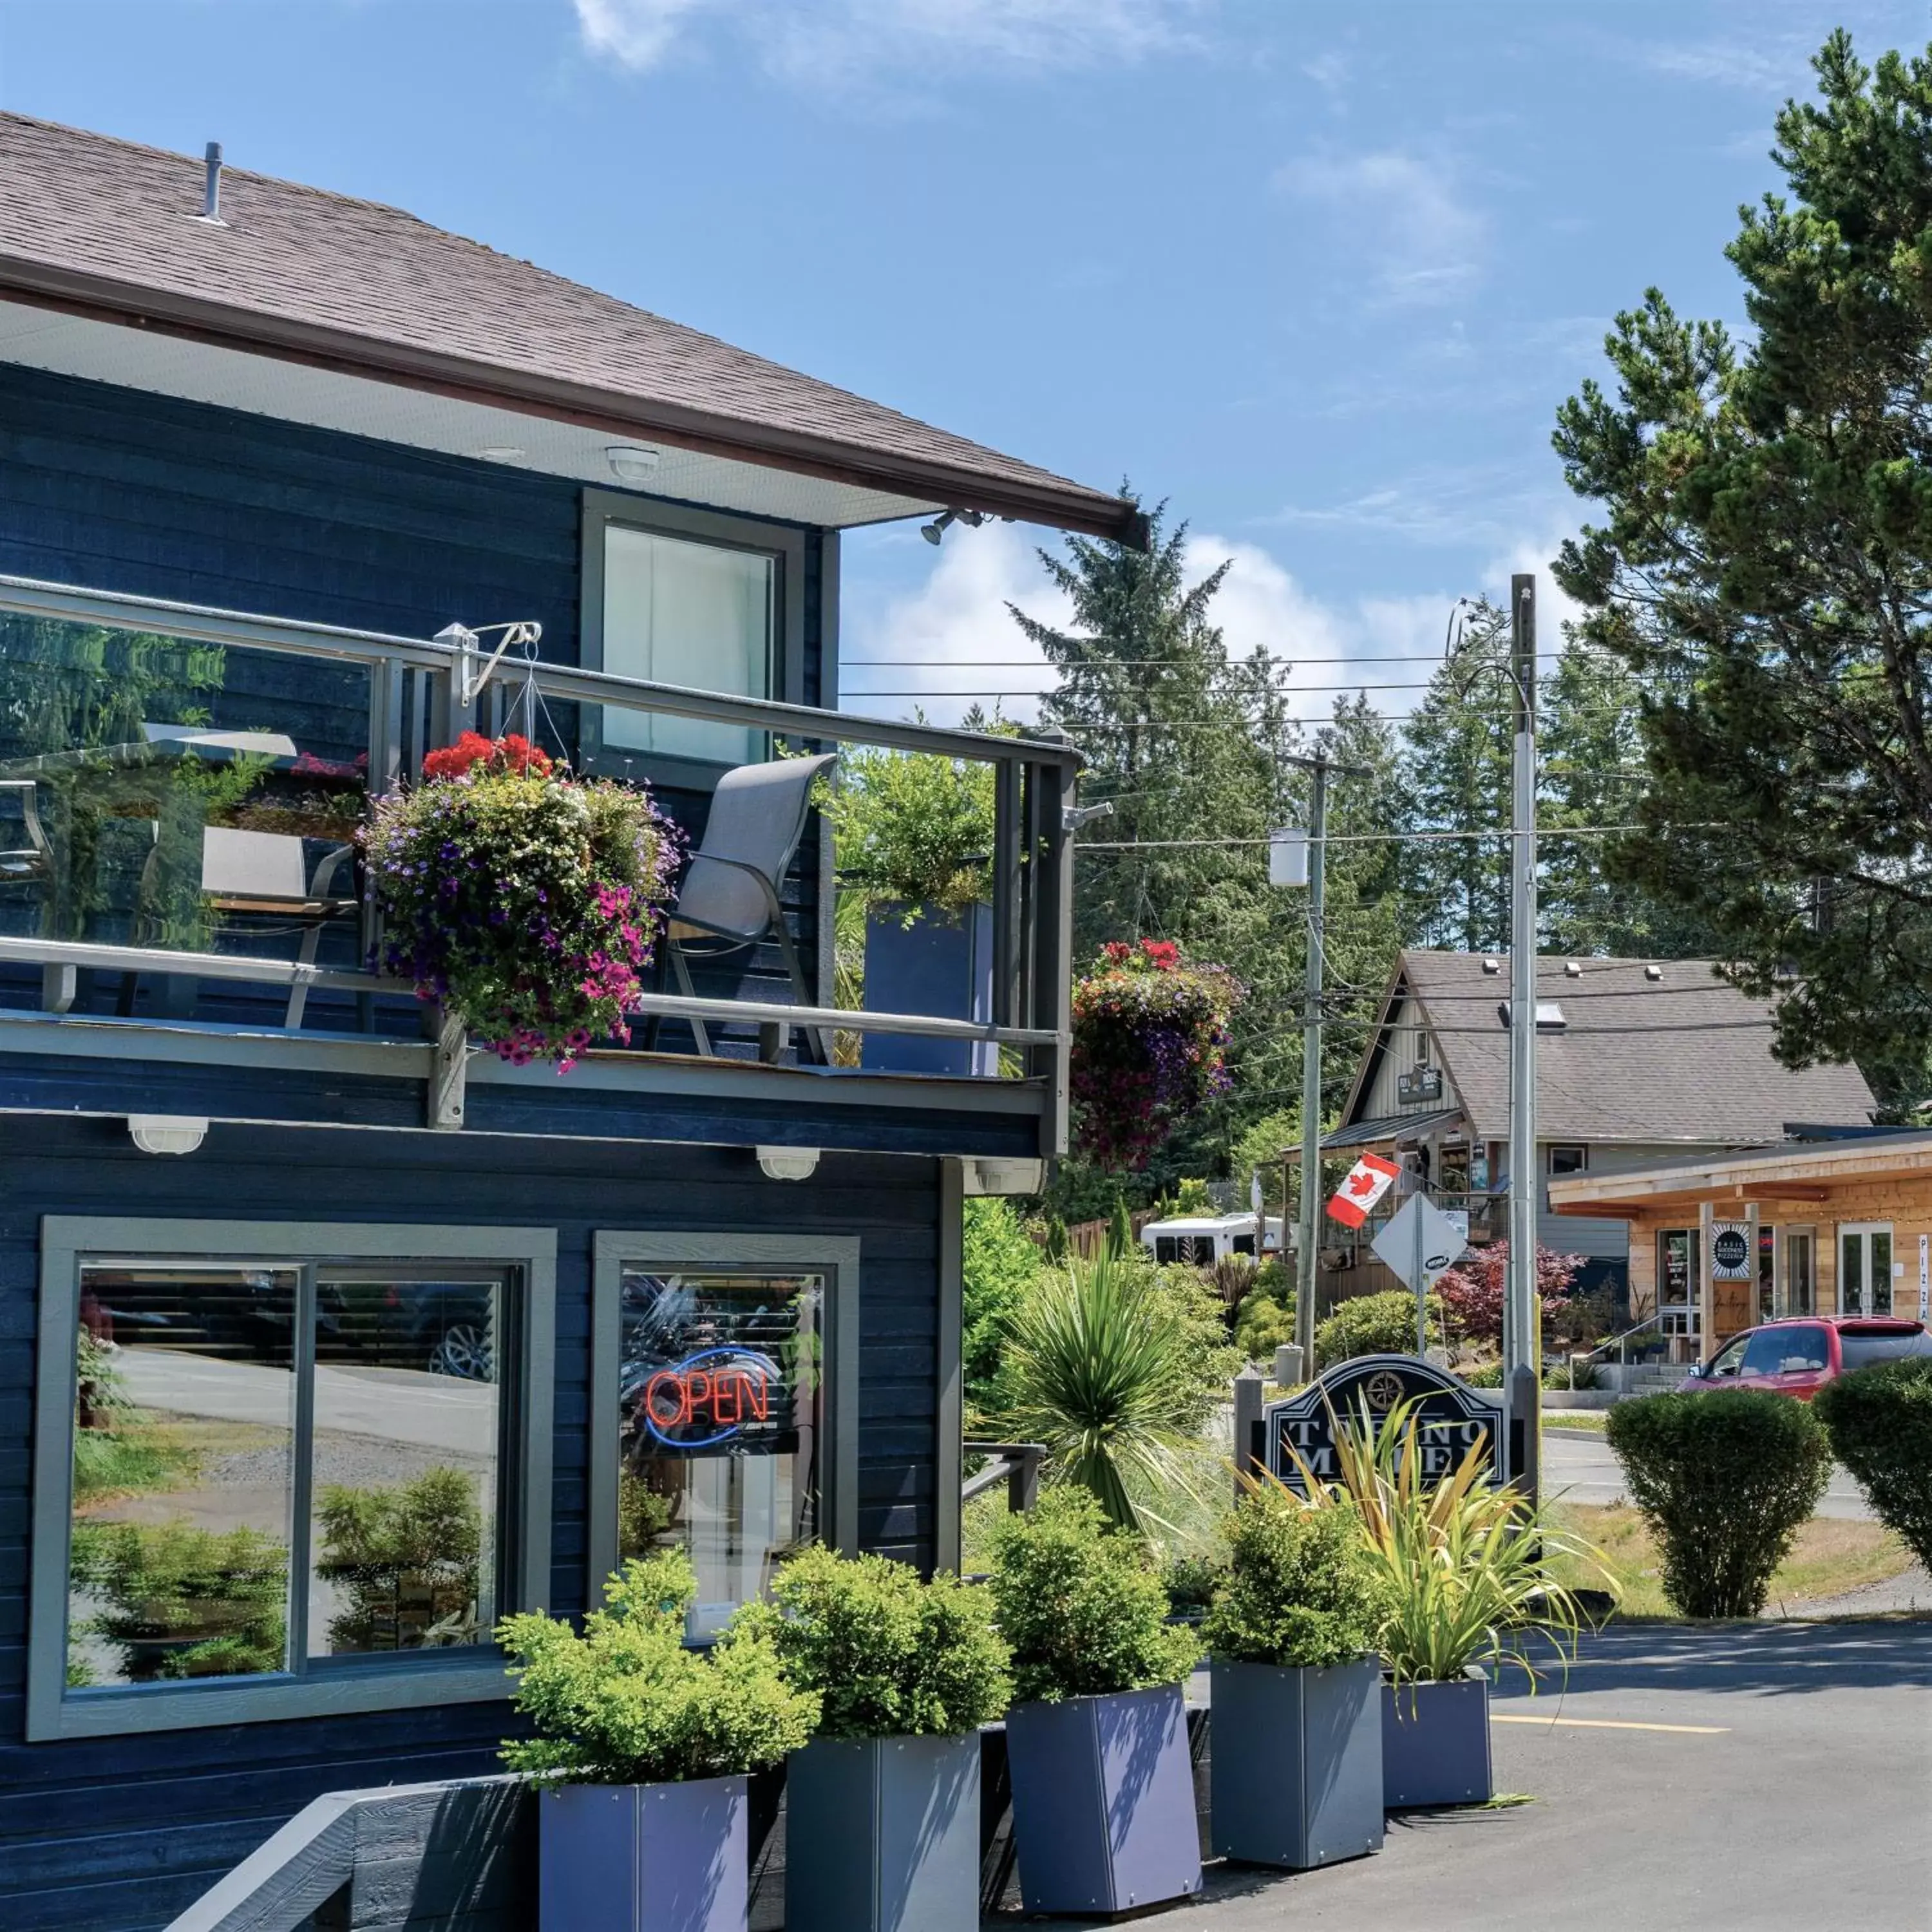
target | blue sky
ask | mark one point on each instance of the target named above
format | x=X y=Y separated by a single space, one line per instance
x=1318 y=274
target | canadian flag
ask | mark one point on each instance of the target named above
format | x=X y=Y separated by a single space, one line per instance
x=1368 y=1180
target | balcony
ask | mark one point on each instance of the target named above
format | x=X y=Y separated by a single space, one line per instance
x=180 y=888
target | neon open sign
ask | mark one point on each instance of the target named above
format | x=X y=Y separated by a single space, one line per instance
x=708 y=1397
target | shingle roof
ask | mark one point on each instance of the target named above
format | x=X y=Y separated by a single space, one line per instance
x=1685 y=1057
x=105 y=225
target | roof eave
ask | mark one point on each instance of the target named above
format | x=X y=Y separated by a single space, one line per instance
x=344 y=352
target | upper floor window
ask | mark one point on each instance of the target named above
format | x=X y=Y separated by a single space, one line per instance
x=1568 y=1160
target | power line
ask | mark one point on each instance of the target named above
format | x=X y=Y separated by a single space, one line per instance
x=1392 y=838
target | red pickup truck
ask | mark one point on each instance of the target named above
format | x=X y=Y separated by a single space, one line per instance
x=1799 y=1355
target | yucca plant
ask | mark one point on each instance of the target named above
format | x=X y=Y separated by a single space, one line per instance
x=1103 y=1380
x=1467 y=1564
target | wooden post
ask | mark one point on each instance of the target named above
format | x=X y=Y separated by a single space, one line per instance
x=1247 y=1424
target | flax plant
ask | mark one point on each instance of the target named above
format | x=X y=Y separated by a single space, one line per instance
x=1466 y=1562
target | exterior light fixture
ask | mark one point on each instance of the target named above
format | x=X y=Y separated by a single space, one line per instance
x=937 y=529
x=788 y=1163
x=166 y=1133
x=500 y=452
x=1003 y=1176
x=633 y=463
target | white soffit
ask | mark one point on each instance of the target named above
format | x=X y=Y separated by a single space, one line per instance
x=263 y=386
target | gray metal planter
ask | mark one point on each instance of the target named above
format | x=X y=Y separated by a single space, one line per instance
x=1103 y=1801
x=1295 y=1766
x=943 y=964
x=882 y=1834
x=1435 y=1742
x=644 y=1858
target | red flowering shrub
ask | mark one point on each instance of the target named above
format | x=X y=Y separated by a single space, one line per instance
x=1150 y=1047
x=525 y=899
x=1474 y=1290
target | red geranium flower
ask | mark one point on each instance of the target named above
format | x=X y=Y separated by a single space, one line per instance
x=512 y=753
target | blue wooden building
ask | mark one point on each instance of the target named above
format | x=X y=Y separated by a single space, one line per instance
x=325 y=1338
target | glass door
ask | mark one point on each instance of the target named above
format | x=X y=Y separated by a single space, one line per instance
x=1800 y=1272
x=1677 y=1289
x=1865 y=1268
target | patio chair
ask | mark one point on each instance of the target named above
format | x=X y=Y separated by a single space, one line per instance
x=729 y=901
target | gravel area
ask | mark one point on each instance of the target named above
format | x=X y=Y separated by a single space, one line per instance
x=1908 y=1594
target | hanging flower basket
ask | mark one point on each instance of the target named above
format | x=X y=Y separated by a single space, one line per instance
x=526 y=900
x=1150 y=1049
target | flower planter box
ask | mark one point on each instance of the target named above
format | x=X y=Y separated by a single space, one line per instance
x=1435 y=1743
x=1103 y=1801
x=644 y=1858
x=882 y=1834
x=1296 y=1763
x=942 y=964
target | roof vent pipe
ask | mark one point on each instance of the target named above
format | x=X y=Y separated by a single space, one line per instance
x=211 y=198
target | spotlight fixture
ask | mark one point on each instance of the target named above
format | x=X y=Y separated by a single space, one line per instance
x=934 y=530
x=631 y=462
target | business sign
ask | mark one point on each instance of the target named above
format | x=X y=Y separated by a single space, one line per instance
x=707 y=1398
x=1367 y=1181
x=1418 y=1083
x=1451 y=1418
x=1731 y=1251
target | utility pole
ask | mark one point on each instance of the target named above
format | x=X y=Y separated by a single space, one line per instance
x=1319 y=767
x=1522 y=1312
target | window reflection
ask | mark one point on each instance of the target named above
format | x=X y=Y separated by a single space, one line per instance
x=719 y=1406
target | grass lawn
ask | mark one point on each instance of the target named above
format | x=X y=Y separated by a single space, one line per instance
x=1830 y=1557
x=1591 y=1420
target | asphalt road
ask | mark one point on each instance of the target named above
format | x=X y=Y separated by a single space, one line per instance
x=1735 y=1778
x=1582 y=1467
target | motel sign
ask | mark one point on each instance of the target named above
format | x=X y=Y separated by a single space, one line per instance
x=1451 y=1418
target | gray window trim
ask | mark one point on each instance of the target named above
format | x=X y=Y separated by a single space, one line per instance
x=53 y=1713
x=835 y=1255
x=784 y=542
x=948 y=1457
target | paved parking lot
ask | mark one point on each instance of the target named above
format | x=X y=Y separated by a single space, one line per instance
x=1769 y=1777
x=1581 y=1469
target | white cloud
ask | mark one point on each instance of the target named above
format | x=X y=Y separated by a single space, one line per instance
x=1422 y=244
x=846 y=41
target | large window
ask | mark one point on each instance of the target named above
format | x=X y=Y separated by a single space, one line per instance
x=721 y=1417
x=283 y=1466
x=681 y=597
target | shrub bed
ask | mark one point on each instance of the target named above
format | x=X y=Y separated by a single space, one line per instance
x=1880 y=1422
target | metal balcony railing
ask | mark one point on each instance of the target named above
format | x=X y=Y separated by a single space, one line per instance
x=180 y=787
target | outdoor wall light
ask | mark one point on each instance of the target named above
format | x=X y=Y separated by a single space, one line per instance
x=788 y=1163
x=1004 y=1176
x=636 y=463
x=166 y=1133
x=934 y=530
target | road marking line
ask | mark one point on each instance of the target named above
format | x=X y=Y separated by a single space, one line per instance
x=1614 y=1724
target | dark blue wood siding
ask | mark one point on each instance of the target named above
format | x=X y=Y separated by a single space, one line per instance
x=122 y=1833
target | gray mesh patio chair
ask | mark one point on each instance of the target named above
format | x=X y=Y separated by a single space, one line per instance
x=729 y=901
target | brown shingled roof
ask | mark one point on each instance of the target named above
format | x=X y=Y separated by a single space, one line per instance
x=103 y=227
x=1683 y=1057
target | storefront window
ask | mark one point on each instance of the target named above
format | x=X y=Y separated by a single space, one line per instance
x=720 y=1421
x=1677 y=1284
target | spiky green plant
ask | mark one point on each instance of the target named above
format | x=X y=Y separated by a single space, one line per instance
x=1102 y=1379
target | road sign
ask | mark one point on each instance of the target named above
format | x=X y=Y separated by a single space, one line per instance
x=1421 y=1244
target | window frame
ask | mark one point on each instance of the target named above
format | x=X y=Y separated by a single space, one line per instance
x=783 y=543
x=836 y=1256
x=412 y=1679
x=1580 y=1148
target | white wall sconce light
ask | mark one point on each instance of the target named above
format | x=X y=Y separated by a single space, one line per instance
x=788 y=1163
x=166 y=1133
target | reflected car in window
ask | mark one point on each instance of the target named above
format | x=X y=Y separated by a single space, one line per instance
x=1798 y=1356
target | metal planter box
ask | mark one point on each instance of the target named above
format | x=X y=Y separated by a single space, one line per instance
x=882 y=1834
x=1435 y=1743
x=941 y=964
x=644 y=1858
x=1296 y=1763
x=1103 y=1801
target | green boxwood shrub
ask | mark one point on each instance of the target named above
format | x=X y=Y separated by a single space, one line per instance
x=1083 y=1607
x=1880 y=1422
x=1303 y=1590
x=1263 y=1323
x=626 y=1702
x=1373 y=1324
x=887 y=1655
x=1725 y=1480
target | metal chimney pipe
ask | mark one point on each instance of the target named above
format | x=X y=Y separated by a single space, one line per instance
x=211 y=199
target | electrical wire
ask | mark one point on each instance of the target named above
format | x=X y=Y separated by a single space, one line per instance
x=1390 y=838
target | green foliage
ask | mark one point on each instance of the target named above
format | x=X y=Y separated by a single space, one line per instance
x=1373 y=1324
x=1880 y=1422
x=1082 y=1605
x=118 y=1451
x=627 y=1703
x=888 y=1655
x=1463 y=1565
x=1258 y=1150
x=642 y=1514
x=1192 y=1197
x=1724 y=1480
x=405 y=1558
x=1099 y=1371
x=912 y=829
x=183 y=1601
x=1001 y=1263
x=1303 y=1590
x=1191 y=1582
x=1188 y=1303
x=1762 y=564
x=1263 y=1325
x=1120 y=1242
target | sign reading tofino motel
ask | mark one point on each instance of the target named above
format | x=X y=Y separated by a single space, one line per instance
x=1451 y=1418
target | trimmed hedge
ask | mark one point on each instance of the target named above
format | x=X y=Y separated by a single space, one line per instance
x=1724 y=1480
x=1879 y=1420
